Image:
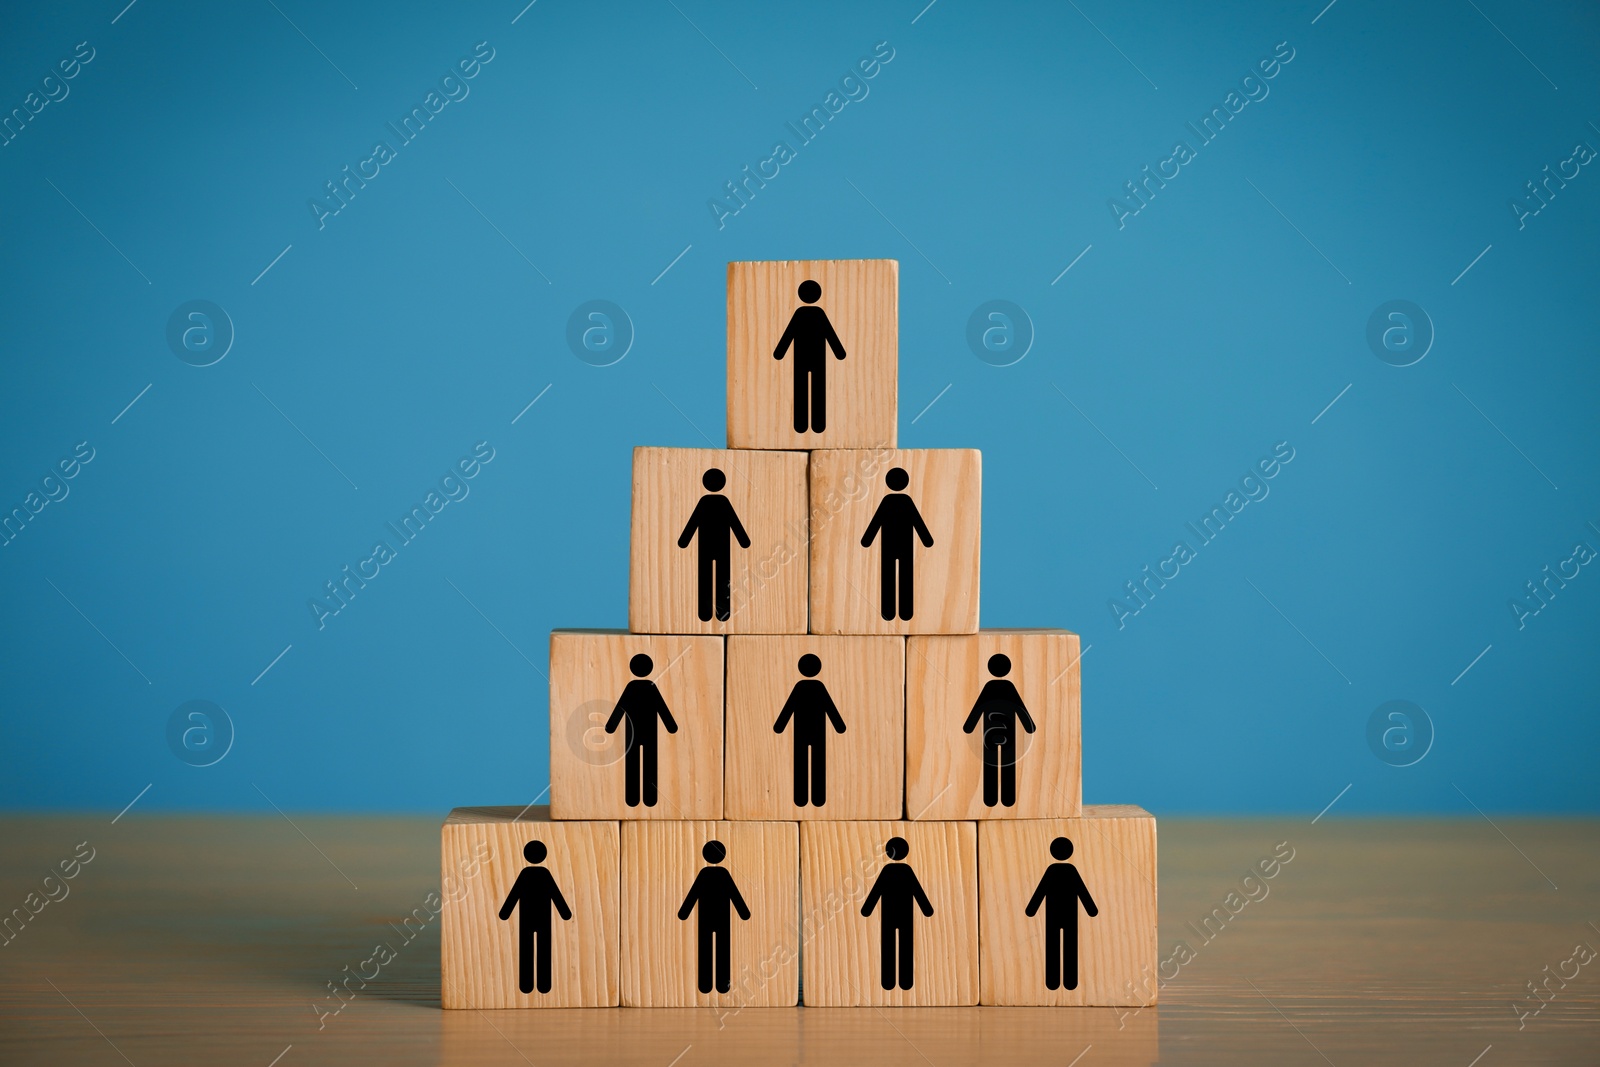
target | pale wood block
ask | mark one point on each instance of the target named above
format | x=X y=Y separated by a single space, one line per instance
x=560 y=891
x=859 y=302
x=842 y=865
x=900 y=500
x=856 y=774
x=951 y=686
x=1114 y=856
x=594 y=684
x=680 y=899
x=721 y=552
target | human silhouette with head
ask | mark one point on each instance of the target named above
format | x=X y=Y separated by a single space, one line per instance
x=812 y=710
x=1059 y=891
x=893 y=524
x=642 y=706
x=714 y=520
x=532 y=895
x=811 y=334
x=713 y=890
x=896 y=889
x=999 y=706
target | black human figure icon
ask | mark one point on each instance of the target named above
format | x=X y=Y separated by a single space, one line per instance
x=811 y=334
x=714 y=520
x=642 y=705
x=999 y=706
x=812 y=710
x=893 y=524
x=713 y=890
x=896 y=889
x=532 y=895
x=1060 y=890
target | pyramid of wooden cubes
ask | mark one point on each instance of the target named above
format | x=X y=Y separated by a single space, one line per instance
x=803 y=773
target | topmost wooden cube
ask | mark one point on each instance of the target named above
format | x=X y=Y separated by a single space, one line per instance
x=813 y=353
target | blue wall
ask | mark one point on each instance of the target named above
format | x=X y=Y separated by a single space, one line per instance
x=1190 y=340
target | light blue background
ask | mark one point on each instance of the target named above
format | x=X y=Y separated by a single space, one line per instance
x=1195 y=338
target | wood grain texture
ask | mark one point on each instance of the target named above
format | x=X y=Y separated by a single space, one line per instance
x=839 y=864
x=204 y=939
x=846 y=488
x=588 y=767
x=481 y=855
x=865 y=765
x=660 y=952
x=767 y=580
x=944 y=764
x=1115 y=854
x=861 y=299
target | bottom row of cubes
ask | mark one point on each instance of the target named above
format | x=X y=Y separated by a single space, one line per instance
x=542 y=913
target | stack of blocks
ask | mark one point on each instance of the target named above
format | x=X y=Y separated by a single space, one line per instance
x=804 y=766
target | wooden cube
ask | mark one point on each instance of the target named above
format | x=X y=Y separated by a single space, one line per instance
x=894 y=541
x=718 y=542
x=709 y=925
x=635 y=726
x=897 y=953
x=992 y=726
x=816 y=727
x=529 y=910
x=1067 y=951
x=813 y=368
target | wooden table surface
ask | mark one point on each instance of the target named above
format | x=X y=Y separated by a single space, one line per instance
x=215 y=939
